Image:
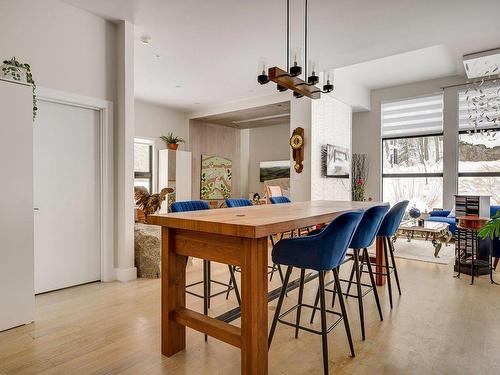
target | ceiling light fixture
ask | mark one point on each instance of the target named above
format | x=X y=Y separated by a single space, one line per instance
x=289 y=79
x=157 y=55
x=145 y=39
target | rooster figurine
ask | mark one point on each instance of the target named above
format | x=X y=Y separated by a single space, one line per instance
x=150 y=203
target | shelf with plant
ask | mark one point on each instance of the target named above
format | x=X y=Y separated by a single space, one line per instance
x=21 y=72
x=172 y=141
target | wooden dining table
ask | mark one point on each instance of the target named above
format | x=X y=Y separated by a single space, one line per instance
x=238 y=237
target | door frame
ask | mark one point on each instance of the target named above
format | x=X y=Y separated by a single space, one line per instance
x=105 y=109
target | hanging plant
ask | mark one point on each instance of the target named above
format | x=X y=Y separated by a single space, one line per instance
x=22 y=73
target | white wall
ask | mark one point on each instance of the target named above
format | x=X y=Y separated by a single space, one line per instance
x=153 y=120
x=68 y=49
x=331 y=124
x=268 y=143
x=366 y=136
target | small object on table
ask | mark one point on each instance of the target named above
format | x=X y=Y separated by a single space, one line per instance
x=467 y=247
x=414 y=213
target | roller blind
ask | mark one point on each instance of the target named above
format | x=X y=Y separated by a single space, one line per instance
x=410 y=117
x=479 y=107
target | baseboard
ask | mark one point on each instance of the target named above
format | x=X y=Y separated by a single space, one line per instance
x=126 y=274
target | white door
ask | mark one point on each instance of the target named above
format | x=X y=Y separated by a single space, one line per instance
x=66 y=196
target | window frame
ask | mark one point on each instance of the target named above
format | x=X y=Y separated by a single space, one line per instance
x=145 y=175
x=410 y=136
x=406 y=175
x=474 y=174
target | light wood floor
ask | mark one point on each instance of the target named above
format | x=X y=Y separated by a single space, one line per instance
x=440 y=325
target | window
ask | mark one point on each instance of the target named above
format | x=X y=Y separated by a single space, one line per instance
x=412 y=151
x=143 y=164
x=479 y=142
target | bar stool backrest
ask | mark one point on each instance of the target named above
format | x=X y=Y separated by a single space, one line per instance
x=392 y=219
x=323 y=251
x=238 y=202
x=278 y=200
x=368 y=226
x=185 y=206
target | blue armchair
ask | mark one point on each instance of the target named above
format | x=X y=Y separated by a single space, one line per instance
x=444 y=216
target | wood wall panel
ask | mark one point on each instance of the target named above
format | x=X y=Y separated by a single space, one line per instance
x=211 y=139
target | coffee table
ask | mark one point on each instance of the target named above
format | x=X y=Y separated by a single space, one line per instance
x=438 y=233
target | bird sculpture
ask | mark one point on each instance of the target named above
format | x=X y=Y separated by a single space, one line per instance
x=150 y=203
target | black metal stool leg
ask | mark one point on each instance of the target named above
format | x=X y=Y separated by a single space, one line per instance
x=278 y=307
x=299 y=307
x=324 y=328
x=351 y=278
x=359 y=292
x=316 y=301
x=391 y=249
x=281 y=273
x=209 y=284
x=343 y=309
x=206 y=296
x=235 y=288
x=372 y=279
x=334 y=291
x=389 y=287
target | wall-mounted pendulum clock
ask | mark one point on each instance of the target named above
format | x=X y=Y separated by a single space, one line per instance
x=297 y=144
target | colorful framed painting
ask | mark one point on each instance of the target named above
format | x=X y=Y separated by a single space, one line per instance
x=216 y=176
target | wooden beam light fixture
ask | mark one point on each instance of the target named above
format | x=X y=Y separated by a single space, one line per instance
x=289 y=79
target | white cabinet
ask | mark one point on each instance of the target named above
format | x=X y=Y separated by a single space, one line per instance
x=17 y=301
x=174 y=170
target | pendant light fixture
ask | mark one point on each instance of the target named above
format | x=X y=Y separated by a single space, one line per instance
x=289 y=79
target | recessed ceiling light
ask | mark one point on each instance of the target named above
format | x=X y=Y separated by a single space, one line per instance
x=178 y=86
x=156 y=55
x=145 y=39
x=196 y=103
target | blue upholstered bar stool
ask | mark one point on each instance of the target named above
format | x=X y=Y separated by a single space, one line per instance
x=362 y=239
x=278 y=200
x=238 y=202
x=320 y=252
x=242 y=202
x=387 y=231
x=281 y=200
x=198 y=205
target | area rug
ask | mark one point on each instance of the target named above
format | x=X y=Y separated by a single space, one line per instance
x=423 y=251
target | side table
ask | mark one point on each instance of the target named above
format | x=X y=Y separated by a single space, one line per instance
x=467 y=248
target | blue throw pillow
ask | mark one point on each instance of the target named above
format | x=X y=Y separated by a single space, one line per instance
x=452 y=213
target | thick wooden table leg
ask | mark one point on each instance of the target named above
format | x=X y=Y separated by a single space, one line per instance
x=379 y=261
x=173 y=295
x=254 y=307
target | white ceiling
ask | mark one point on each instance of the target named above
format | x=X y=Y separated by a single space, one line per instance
x=211 y=48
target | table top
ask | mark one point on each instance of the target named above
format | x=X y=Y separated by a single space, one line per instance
x=258 y=221
x=429 y=226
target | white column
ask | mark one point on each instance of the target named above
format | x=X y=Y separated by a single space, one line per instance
x=300 y=116
x=450 y=147
x=124 y=153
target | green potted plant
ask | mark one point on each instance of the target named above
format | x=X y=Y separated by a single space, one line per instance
x=172 y=141
x=17 y=71
x=491 y=228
